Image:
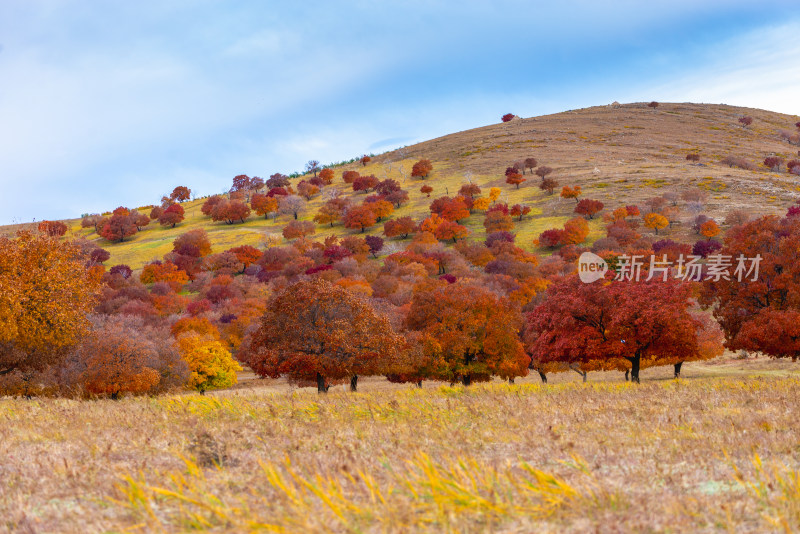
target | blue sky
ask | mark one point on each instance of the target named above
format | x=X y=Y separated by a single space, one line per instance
x=108 y=103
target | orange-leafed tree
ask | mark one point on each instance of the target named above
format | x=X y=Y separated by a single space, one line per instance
x=381 y=209
x=363 y=160
x=328 y=213
x=163 y=272
x=211 y=365
x=422 y=168
x=448 y=230
x=263 y=205
x=402 y=227
x=575 y=231
x=470 y=334
x=519 y=211
x=426 y=190
x=197 y=325
x=656 y=221
x=230 y=211
x=710 y=229
x=246 y=254
x=326 y=175
x=316 y=331
x=53 y=228
x=296 y=229
x=571 y=192
x=498 y=221
x=514 y=177
x=359 y=218
x=46 y=294
x=454 y=209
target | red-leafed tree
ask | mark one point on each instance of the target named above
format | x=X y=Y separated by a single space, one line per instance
x=589 y=208
x=365 y=183
x=508 y=117
x=549 y=185
x=579 y=323
x=426 y=190
x=193 y=243
x=53 y=228
x=118 y=227
x=349 y=176
x=180 y=194
x=315 y=331
x=241 y=182
x=653 y=105
x=171 y=216
x=745 y=121
x=363 y=160
x=209 y=204
x=551 y=238
x=773 y=163
x=529 y=163
x=759 y=311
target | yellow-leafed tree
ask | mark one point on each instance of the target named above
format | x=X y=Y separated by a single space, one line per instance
x=210 y=362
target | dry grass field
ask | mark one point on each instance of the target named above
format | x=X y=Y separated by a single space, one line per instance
x=717 y=451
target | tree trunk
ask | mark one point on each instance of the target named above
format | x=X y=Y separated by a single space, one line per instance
x=295 y=216
x=580 y=372
x=115 y=395
x=635 y=368
x=678 y=369
x=466 y=379
x=322 y=387
x=419 y=384
x=511 y=380
x=543 y=377
x=354 y=383
x=627 y=375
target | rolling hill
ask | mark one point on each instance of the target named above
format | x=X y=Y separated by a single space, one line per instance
x=618 y=154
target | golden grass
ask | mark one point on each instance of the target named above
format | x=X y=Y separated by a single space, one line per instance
x=666 y=455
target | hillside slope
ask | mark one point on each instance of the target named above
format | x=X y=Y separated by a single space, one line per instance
x=619 y=154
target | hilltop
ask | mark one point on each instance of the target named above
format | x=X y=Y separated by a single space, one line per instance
x=618 y=154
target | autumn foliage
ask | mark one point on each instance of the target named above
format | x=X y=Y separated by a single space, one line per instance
x=316 y=331
x=467 y=334
x=422 y=168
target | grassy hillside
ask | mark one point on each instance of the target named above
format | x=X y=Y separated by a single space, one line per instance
x=617 y=154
